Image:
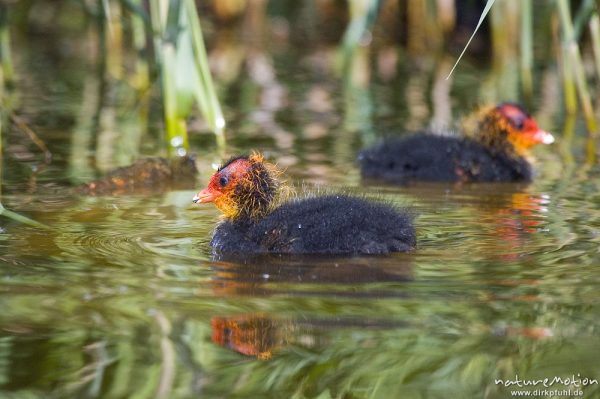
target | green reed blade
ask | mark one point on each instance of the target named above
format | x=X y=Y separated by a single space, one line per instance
x=162 y=25
x=20 y=218
x=486 y=10
x=205 y=93
x=184 y=69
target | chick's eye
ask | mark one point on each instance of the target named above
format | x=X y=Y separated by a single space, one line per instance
x=223 y=181
x=519 y=123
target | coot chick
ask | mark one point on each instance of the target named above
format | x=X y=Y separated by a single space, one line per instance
x=497 y=150
x=258 y=218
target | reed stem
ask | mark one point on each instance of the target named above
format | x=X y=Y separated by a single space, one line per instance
x=205 y=93
x=585 y=11
x=175 y=126
x=527 y=48
x=141 y=78
x=573 y=56
x=595 y=34
x=8 y=72
x=362 y=16
x=185 y=73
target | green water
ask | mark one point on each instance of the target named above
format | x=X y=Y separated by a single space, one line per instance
x=120 y=297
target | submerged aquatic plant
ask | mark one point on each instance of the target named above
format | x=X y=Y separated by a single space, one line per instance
x=7 y=69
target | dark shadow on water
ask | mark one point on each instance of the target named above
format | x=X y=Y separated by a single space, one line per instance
x=241 y=275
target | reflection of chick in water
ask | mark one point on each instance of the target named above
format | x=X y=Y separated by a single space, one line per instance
x=514 y=215
x=519 y=220
x=508 y=214
x=250 y=335
x=259 y=335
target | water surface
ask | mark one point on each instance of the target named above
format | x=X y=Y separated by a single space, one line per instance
x=122 y=298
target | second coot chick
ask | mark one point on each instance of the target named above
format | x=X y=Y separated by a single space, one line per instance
x=497 y=150
x=258 y=219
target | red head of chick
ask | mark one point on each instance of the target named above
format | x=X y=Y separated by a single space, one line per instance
x=243 y=187
x=509 y=127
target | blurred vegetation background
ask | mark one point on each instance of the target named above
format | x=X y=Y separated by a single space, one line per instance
x=124 y=302
x=156 y=48
x=145 y=77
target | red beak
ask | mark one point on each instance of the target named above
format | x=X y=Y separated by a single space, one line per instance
x=542 y=137
x=204 y=196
